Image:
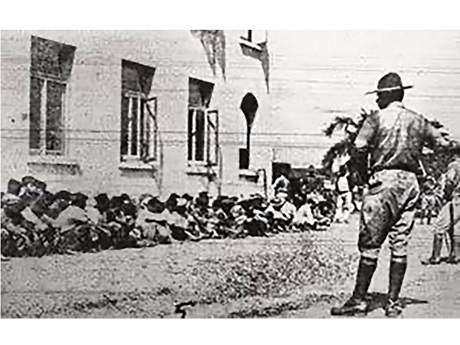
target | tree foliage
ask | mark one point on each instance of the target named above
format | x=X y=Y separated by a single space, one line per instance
x=434 y=161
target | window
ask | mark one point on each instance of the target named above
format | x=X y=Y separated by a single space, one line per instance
x=202 y=124
x=51 y=65
x=139 y=128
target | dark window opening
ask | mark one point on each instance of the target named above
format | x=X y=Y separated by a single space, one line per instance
x=36 y=86
x=201 y=127
x=54 y=106
x=244 y=158
x=200 y=135
x=50 y=68
x=249 y=106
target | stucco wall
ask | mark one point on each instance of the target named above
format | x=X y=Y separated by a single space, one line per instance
x=92 y=115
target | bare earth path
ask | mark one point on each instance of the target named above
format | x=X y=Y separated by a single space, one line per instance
x=252 y=277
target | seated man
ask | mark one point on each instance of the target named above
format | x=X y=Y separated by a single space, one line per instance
x=280 y=214
x=173 y=221
x=237 y=219
x=16 y=229
x=304 y=219
x=31 y=189
x=178 y=222
x=120 y=225
x=257 y=222
x=48 y=231
x=62 y=200
x=75 y=226
x=152 y=224
x=219 y=221
x=199 y=217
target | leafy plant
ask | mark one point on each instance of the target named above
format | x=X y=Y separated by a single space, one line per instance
x=434 y=161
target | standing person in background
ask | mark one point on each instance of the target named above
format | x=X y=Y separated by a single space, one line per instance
x=344 y=203
x=428 y=200
x=448 y=220
x=281 y=186
x=391 y=141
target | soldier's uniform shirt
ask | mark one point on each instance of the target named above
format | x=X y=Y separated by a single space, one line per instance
x=394 y=138
x=443 y=221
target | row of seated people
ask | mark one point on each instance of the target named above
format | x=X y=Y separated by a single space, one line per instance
x=36 y=222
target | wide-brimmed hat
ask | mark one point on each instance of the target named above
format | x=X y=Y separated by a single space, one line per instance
x=389 y=82
x=202 y=199
x=154 y=205
x=102 y=199
x=79 y=198
x=63 y=194
x=27 y=179
x=187 y=197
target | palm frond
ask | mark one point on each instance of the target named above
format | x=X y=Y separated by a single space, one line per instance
x=339 y=123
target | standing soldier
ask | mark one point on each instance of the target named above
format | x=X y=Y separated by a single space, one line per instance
x=344 y=202
x=392 y=140
x=448 y=220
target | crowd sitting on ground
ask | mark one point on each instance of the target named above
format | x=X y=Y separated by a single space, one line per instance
x=36 y=222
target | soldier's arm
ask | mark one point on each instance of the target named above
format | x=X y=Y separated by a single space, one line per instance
x=359 y=151
x=366 y=133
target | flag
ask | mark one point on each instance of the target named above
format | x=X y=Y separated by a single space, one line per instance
x=213 y=42
x=262 y=55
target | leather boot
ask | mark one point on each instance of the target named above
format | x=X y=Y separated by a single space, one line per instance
x=397 y=273
x=357 y=304
x=454 y=254
x=435 y=258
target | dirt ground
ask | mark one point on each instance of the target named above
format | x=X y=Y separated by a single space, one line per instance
x=286 y=276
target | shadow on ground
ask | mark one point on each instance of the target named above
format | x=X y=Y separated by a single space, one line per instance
x=377 y=300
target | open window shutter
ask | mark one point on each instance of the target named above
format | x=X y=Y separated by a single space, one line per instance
x=212 y=136
x=149 y=139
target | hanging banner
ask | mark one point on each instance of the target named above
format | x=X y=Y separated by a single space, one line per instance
x=213 y=42
x=258 y=51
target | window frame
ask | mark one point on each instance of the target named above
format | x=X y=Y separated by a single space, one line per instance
x=208 y=146
x=150 y=115
x=42 y=149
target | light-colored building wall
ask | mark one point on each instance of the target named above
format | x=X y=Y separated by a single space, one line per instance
x=91 y=162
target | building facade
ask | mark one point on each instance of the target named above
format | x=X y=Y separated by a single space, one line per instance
x=131 y=112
